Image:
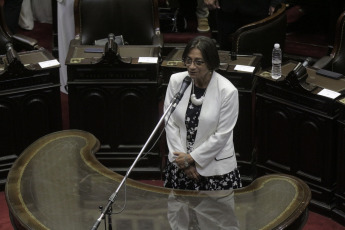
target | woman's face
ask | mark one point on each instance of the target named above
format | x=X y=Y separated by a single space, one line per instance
x=196 y=66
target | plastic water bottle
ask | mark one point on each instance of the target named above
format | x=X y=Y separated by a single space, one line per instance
x=276 y=62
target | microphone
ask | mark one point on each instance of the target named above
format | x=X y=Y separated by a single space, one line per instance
x=111 y=45
x=11 y=54
x=307 y=61
x=178 y=96
x=301 y=66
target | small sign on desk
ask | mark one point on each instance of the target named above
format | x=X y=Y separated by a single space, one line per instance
x=329 y=93
x=50 y=63
x=245 y=68
x=148 y=60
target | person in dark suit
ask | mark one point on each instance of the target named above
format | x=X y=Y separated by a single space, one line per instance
x=12 y=10
x=232 y=14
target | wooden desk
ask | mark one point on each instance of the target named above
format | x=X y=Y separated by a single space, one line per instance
x=30 y=105
x=116 y=100
x=297 y=133
x=242 y=80
x=57 y=183
x=339 y=210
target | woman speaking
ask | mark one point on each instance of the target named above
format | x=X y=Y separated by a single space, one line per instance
x=200 y=130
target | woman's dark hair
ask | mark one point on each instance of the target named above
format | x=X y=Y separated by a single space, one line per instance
x=207 y=48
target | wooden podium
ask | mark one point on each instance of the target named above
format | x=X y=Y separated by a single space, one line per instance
x=297 y=131
x=114 y=96
x=30 y=104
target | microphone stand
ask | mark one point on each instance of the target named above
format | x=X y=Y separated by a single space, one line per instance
x=107 y=208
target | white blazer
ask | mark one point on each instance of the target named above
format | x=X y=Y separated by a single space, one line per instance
x=214 y=152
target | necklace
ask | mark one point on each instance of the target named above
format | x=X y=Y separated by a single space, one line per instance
x=197 y=101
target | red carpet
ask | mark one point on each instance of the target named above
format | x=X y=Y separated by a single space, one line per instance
x=65 y=111
x=315 y=221
x=5 y=223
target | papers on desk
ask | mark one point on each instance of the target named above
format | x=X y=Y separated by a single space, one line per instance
x=50 y=63
x=245 y=68
x=329 y=93
x=148 y=60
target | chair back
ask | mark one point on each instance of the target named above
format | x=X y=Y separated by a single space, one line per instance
x=19 y=41
x=260 y=36
x=135 y=20
x=338 y=51
x=4 y=36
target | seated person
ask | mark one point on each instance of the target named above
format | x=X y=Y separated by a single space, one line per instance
x=233 y=14
x=201 y=13
x=12 y=11
x=202 y=16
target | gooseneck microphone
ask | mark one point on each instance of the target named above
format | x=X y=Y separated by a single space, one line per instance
x=307 y=62
x=178 y=96
x=107 y=210
x=186 y=82
x=11 y=54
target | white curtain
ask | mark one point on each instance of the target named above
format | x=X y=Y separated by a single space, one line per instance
x=66 y=33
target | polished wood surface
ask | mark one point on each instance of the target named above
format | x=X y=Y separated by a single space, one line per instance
x=57 y=183
x=115 y=99
x=241 y=79
x=30 y=105
x=296 y=127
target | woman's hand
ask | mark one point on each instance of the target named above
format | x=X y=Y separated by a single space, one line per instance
x=192 y=173
x=271 y=10
x=212 y=4
x=183 y=160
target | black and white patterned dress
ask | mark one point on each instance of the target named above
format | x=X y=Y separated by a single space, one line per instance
x=177 y=179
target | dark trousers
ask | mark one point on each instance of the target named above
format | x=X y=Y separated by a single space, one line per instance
x=12 y=11
x=228 y=23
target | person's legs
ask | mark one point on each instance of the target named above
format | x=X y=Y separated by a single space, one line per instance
x=226 y=24
x=12 y=10
x=201 y=9
x=202 y=16
x=26 y=19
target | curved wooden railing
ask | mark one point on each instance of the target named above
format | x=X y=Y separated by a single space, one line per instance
x=57 y=183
